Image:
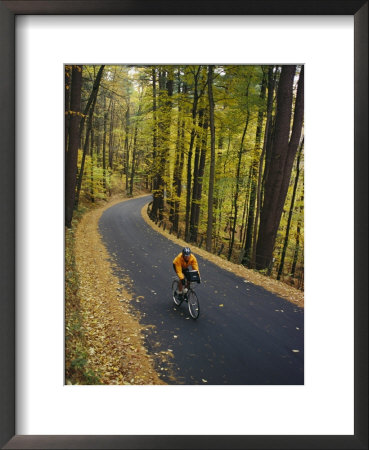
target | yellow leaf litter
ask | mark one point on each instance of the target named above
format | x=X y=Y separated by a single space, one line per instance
x=114 y=334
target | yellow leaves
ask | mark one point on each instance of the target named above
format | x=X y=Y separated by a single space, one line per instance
x=112 y=335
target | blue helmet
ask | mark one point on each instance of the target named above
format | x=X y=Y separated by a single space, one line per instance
x=186 y=251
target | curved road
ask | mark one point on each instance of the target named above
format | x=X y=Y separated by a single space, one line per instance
x=254 y=338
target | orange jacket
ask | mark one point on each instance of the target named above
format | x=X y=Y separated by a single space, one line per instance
x=180 y=264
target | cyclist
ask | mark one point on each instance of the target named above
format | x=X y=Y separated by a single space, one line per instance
x=181 y=264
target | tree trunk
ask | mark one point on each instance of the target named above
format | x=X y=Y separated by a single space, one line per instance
x=126 y=145
x=254 y=167
x=189 y=156
x=280 y=270
x=92 y=194
x=179 y=158
x=283 y=154
x=111 y=137
x=209 y=233
x=271 y=133
x=104 y=146
x=235 y=198
x=134 y=153
x=155 y=204
x=67 y=81
x=200 y=176
x=297 y=245
x=195 y=188
x=250 y=217
x=93 y=94
x=90 y=109
x=159 y=132
x=72 y=154
x=134 y=162
x=163 y=140
x=247 y=204
x=85 y=150
x=267 y=138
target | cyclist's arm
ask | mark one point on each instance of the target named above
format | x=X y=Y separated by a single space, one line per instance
x=178 y=268
x=194 y=264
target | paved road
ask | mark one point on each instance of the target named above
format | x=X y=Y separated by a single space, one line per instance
x=255 y=338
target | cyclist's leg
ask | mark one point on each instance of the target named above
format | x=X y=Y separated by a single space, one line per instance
x=180 y=285
x=185 y=273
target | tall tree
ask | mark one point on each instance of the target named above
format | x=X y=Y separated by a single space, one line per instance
x=126 y=143
x=90 y=109
x=195 y=187
x=253 y=175
x=234 y=214
x=297 y=241
x=285 y=244
x=106 y=115
x=73 y=144
x=179 y=153
x=154 y=137
x=209 y=233
x=163 y=138
x=135 y=149
x=85 y=149
x=67 y=81
x=283 y=154
x=267 y=138
x=196 y=75
x=111 y=136
x=92 y=193
x=200 y=177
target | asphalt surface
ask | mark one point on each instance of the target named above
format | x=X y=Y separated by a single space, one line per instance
x=245 y=335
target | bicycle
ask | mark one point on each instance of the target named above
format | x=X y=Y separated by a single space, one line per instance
x=188 y=294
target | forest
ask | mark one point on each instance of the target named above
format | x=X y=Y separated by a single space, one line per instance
x=219 y=147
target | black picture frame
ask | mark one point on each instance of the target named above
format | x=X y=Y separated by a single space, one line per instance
x=8 y=10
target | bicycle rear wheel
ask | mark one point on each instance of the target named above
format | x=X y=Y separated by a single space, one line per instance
x=193 y=304
x=176 y=300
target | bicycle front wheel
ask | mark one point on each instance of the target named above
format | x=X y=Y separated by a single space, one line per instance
x=193 y=305
x=176 y=300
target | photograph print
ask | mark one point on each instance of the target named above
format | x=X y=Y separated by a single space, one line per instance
x=184 y=224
